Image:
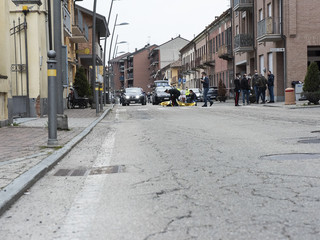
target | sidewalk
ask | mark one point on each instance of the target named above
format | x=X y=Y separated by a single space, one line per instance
x=24 y=156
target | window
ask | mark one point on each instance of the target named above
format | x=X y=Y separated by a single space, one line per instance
x=261 y=61
x=260 y=14
x=217 y=43
x=270 y=62
x=269 y=10
x=213 y=46
x=222 y=35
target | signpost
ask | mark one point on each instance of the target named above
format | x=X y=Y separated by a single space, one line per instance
x=277 y=49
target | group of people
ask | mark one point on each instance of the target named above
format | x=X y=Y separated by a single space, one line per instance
x=190 y=95
x=258 y=83
x=175 y=94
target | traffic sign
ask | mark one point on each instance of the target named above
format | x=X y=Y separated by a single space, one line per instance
x=277 y=49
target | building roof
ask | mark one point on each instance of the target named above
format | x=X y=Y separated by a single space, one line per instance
x=175 y=64
x=121 y=57
x=101 y=22
x=172 y=39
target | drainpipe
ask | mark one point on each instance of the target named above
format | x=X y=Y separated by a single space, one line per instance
x=49 y=24
x=25 y=12
x=285 y=48
x=254 y=39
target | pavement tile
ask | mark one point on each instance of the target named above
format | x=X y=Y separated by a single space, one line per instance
x=25 y=145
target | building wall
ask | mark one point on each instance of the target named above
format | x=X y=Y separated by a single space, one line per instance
x=302 y=30
x=4 y=63
x=37 y=59
x=141 y=69
x=169 y=52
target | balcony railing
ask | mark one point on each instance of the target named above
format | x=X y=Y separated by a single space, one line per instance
x=225 y=52
x=80 y=30
x=269 y=30
x=243 y=43
x=67 y=21
x=242 y=5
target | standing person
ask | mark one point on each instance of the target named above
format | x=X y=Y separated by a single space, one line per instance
x=174 y=95
x=205 y=83
x=262 y=88
x=244 y=85
x=255 y=85
x=271 y=86
x=237 y=90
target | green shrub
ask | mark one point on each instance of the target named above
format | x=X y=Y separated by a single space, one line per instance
x=81 y=83
x=312 y=79
x=312 y=97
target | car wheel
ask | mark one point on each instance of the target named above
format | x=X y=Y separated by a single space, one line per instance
x=123 y=104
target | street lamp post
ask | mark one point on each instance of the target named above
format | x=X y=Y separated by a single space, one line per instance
x=93 y=81
x=116 y=46
x=104 y=57
x=114 y=26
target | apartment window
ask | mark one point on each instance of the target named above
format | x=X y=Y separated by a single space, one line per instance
x=213 y=46
x=270 y=62
x=269 y=10
x=260 y=14
x=261 y=61
x=222 y=35
x=219 y=37
x=217 y=43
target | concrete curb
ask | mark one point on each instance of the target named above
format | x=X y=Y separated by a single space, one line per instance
x=17 y=187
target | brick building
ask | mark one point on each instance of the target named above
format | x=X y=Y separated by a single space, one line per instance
x=132 y=69
x=210 y=51
x=277 y=35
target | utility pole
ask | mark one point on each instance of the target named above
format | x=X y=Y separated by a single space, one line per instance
x=58 y=50
x=62 y=119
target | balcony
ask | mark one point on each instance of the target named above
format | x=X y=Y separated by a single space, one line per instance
x=200 y=62
x=66 y=22
x=242 y=5
x=243 y=43
x=80 y=30
x=225 y=52
x=269 y=30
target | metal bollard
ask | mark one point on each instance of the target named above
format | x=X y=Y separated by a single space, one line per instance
x=52 y=99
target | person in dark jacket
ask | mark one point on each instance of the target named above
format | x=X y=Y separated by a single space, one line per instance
x=237 y=90
x=244 y=85
x=205 y=83
x=271 y=86
x=262 y=88
x=174 y=95
x=255 y=85
x=192 y=97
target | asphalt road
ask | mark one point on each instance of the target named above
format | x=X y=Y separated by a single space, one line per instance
x=152 y=172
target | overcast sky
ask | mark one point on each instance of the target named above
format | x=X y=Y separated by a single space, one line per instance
x=157 y=21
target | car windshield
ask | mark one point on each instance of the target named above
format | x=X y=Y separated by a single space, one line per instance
x=195 y=90
x=162 y=89
x=133 y=90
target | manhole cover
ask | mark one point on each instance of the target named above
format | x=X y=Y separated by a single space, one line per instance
x=310 y=140
x=292 y=156
x=93 y=171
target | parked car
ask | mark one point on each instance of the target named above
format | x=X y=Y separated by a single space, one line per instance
x=198 y=93
x=133 y=95
x=159 y=95
x=213 y=93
